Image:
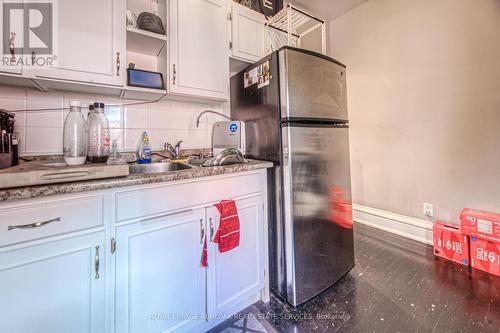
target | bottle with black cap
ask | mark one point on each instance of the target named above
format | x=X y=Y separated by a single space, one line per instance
x=98 y=135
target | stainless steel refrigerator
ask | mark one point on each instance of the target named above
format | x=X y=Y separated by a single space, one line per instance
x=294 y=106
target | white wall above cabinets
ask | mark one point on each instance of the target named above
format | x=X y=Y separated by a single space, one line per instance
x=198 y=55
x=132 y=261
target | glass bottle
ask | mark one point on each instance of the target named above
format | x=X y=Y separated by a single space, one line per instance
x=74 y=136
x=98 y=135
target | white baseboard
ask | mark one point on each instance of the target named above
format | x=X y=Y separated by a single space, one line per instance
x=410 y=227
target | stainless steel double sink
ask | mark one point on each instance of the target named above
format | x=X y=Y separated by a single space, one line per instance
x=159 y=167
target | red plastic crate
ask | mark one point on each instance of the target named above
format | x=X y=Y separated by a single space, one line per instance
x=450 y=243
x=485 y=255
x=481 y=224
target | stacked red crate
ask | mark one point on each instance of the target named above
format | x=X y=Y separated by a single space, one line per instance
x=484 y=231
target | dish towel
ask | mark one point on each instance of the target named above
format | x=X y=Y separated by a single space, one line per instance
x=228 y=234
x=204 y=255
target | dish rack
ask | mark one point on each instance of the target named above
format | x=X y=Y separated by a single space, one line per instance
x=290 y=26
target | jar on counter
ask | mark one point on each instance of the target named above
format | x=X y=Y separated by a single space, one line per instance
x=74 y=141
x=98 y=135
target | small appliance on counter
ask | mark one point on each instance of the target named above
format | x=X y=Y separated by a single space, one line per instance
x=8 y=141
x=228 y=134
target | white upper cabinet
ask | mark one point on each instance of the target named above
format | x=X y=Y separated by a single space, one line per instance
x=91 y=42
x=5 y=54
x=198 y=49
x=56 y=287
x=247 y=33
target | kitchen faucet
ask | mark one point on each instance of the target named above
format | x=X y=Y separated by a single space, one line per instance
x=209 y=111
x=175 y=151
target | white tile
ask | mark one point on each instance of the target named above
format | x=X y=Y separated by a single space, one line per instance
x=44 y=119
x=115 y=116
x=37 y=94
x=118 y=135
x=136 y=117
x=160 y=118
x=184 y=120
x=12 y=104
x=43 y=140
x=49 y=102
x=12 y=92
x=198 y=139
x=158 y=138
x=22 y=139
x=132 y=138
x=84 y=99
x=20 y=119
x=181 y=135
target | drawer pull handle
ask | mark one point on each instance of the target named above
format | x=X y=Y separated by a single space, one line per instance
x=33 y=225
x=97 y=262
x=211 y=229
x=202 y=231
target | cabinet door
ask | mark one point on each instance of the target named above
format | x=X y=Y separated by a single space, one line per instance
x=5 y=53
x=53 y=287
x=160 y=284
x=198 y=49
x=247 y=33
x=238 y=274
x=91 y=42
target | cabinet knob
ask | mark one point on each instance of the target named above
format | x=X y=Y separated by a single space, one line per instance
x=97 y=262
x=174 y=74
x=211 y=229
x=202 y=231
x=118 y=63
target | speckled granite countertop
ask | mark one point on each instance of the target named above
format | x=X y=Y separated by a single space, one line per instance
x=28 y=192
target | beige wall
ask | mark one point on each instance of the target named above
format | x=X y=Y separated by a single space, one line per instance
x=424 y=103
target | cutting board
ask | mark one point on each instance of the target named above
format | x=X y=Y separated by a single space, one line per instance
x=56 y=171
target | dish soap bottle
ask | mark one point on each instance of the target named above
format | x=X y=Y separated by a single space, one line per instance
x=144 y=150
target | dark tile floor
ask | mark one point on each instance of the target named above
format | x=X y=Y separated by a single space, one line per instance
x=396 y=286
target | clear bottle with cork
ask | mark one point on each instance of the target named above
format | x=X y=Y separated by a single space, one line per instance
x=98 y=135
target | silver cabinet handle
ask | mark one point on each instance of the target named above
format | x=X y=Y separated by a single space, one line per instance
x=12 y=45
x=118 y=63
x=174 y=76
x=97 y=262
x=33 y=225
x=211 y=229
x=202 y=231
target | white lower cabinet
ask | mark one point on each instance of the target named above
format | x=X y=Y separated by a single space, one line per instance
x=56 y=287
x=160 y=283
x=132 y=261
x=238 y=274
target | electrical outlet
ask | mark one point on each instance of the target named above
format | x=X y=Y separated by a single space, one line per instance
x=428 y=209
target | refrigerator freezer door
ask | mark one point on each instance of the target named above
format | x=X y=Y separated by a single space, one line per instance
x=312 y=86
x=317 y=207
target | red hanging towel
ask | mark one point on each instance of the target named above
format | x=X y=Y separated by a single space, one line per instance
x=228 y=234
x=204 y=255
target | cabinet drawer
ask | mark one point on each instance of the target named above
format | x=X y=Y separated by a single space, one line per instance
x=40 y=219
x=160 y=199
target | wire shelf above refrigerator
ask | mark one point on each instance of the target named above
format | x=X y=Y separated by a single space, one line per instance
x=290 y=25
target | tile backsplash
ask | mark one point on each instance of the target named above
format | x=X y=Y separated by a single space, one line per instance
x=41 y=132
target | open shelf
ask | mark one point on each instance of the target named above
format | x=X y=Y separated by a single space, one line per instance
x=139 y=93
x=145 y=42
